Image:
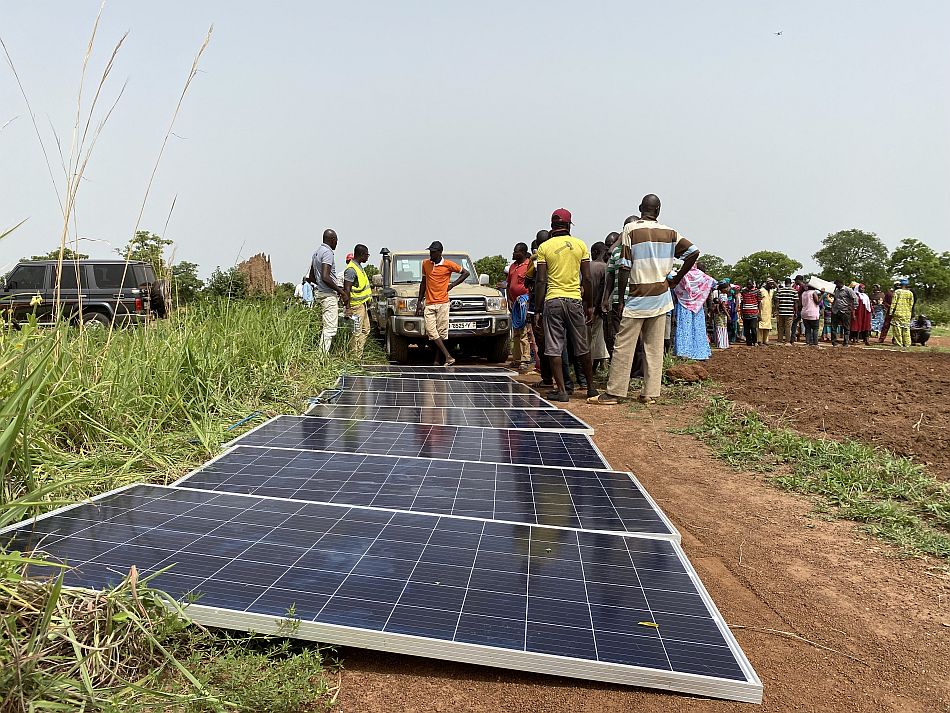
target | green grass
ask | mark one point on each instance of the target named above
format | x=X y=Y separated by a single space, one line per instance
x=149 y=403
x=893 y=497
x=85 y=412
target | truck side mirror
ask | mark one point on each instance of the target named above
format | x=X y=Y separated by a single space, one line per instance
x=483 y=280
x=377 y=280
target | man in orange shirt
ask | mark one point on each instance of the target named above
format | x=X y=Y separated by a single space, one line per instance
x=434 y=289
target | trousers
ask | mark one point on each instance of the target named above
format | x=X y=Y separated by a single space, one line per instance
x=330 y=311
x=520 y=348
x=653 y=330
x=361 y=314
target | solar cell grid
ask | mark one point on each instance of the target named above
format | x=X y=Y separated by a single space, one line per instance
x=532 y=419
x=450 y=377
x=590 y=500
x=426 y=386
x=478 y=591
x=565 y=450
x=433 y=400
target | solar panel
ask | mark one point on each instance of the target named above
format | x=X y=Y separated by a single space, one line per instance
x=485 y=378
x=533 y=419
x=562 y=450
x=590 y=500
x=436 y=370
x=443 y=400
x=596 y=606
x=430 y=386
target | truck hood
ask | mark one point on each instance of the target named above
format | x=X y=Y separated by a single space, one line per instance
x=460 y=291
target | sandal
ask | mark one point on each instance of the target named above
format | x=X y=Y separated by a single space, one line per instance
x=604 y=400
x=649 y=400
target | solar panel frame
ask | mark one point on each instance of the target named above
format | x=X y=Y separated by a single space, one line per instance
x=427 y=386
x=487 y=418
x=187 y=481
x=367 y=444
x=746 y=689
x=433 y=400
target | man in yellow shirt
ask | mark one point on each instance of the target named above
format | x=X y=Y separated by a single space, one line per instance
x=563 y=300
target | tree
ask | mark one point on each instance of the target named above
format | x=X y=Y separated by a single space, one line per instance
x=68 y=254
x=853 y=255
x=185 y=281
x=370 y=270
x=493 y=266
x=716 y=266
x=925 y=269
x=231 y=284
x=763 y=264
x=147 y=247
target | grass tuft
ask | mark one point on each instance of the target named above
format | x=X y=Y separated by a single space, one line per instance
x=893 y=497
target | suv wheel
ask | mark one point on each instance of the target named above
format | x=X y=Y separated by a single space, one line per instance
x=95 y=320
x=397 y=347
x=499 y=349
x=160 y=298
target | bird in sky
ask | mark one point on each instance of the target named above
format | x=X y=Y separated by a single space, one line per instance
x=777 y=34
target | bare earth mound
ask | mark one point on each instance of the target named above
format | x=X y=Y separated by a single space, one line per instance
x=900 y=401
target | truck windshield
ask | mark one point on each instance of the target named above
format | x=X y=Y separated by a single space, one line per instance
x=407 y=269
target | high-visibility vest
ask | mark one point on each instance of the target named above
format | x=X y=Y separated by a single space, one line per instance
x=360 y=292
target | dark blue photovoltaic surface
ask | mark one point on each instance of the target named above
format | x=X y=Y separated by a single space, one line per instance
x=450 y=377
x=430 y=386
x=433 y=400
x=570 y=593
x=537 y=419
x=562 y=450
x=583 y=499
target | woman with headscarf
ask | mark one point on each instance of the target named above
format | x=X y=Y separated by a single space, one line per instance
x=902 y=309
x=861 y=316
x=691 y=293
x=719 y=310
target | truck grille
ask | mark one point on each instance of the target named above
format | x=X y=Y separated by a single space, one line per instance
x=466 y=304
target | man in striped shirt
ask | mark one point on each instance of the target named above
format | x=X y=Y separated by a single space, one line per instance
x=641 y=263
x=785 y=299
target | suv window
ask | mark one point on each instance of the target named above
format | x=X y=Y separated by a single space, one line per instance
x=109 y=276
x=28 y=277
x=68 y=281
x=407 y=269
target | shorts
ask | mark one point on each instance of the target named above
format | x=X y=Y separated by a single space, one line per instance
x=437 y=321
x=563 y=317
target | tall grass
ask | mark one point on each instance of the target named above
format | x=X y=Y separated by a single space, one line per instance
x=150 y=403
x=81 y=413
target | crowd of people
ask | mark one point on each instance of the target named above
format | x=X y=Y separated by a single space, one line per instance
x=621 y=304
x=805 y=310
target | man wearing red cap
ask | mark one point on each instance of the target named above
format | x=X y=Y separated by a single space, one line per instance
x=563 y=264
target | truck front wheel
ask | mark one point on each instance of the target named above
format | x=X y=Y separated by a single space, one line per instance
x=397 y=347
x=498 y=349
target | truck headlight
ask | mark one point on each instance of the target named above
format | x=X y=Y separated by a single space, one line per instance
x=405 y=305
x=497 y=304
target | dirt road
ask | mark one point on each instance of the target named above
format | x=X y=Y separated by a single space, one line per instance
x=770 y=565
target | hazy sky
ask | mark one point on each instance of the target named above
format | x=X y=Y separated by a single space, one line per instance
x=397 y=123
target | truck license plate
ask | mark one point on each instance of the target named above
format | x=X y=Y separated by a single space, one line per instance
x=461 y=325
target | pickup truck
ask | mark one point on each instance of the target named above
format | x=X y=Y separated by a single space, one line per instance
x=479 y=321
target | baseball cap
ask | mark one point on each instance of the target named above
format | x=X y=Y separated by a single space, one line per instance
x=349 y=256
x=436 y=245
x=563 y=215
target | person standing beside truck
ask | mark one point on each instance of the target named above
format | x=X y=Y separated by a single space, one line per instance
x=518 y=298
x=356 y=295
x=327 y=291
x=433 y=301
